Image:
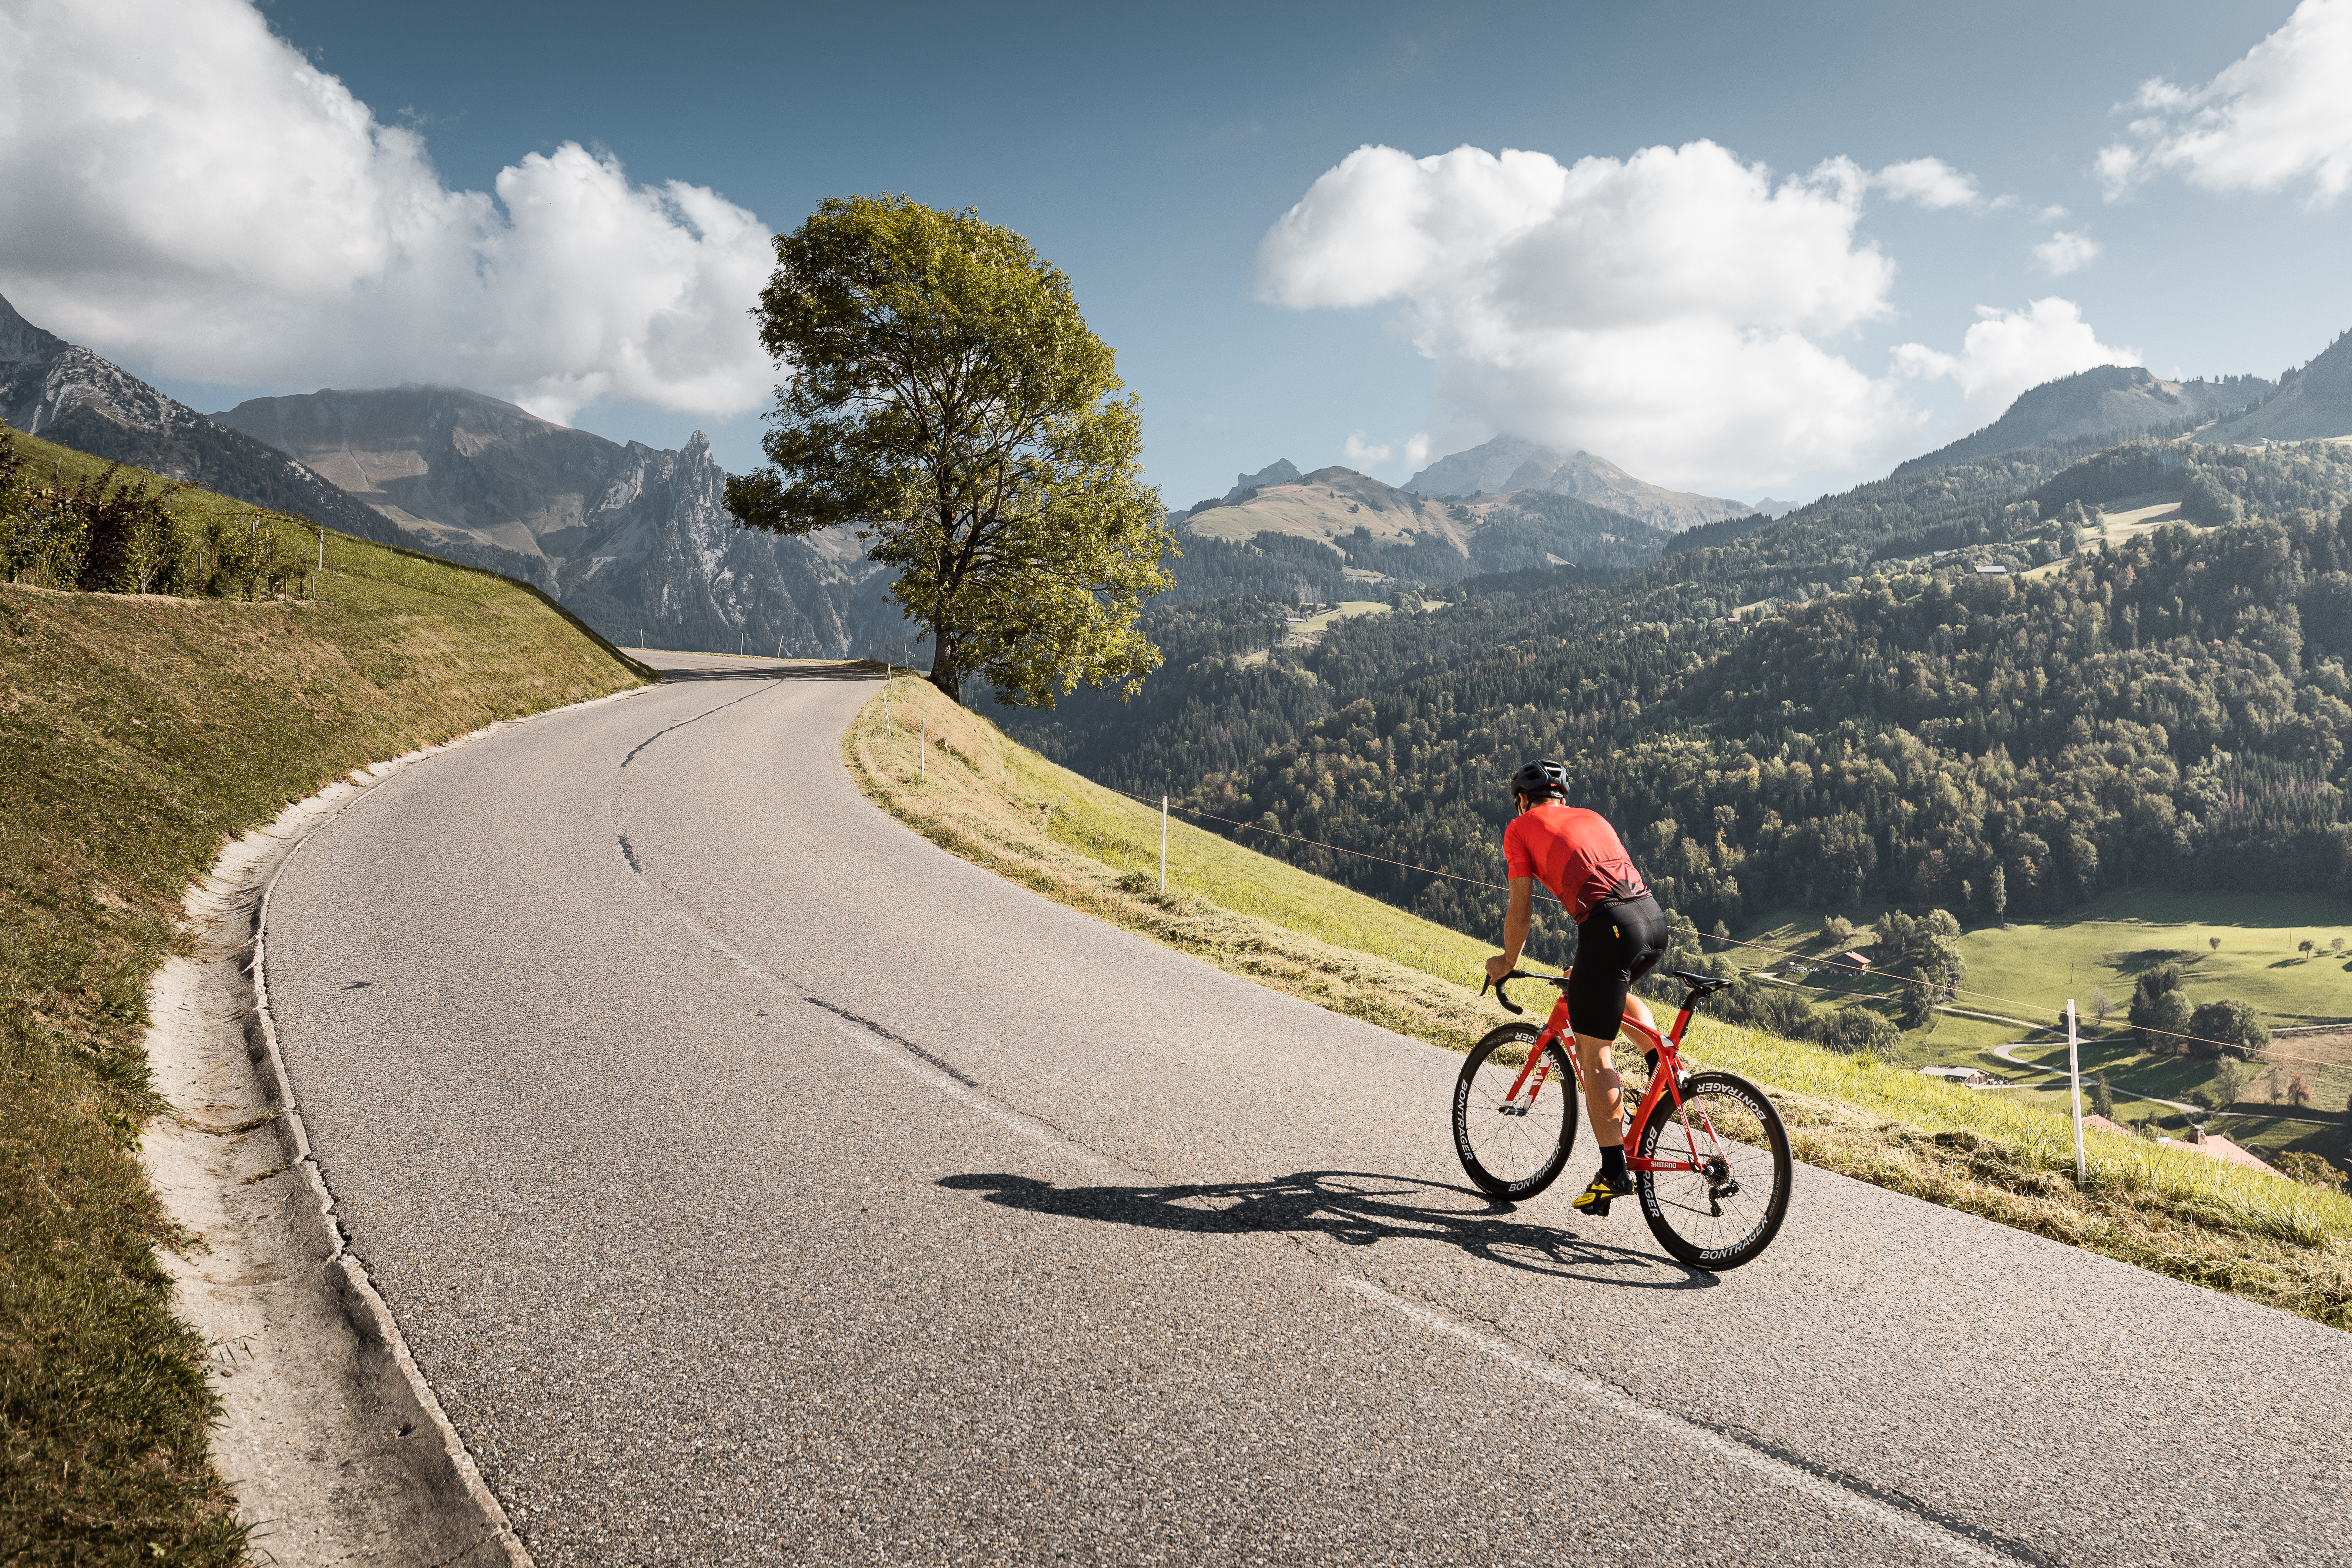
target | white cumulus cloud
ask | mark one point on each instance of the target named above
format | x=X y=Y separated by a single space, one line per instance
x=227 y=213
x=2068 y=250
x=1929 y=182
x=1678 y=311
x=1358 y=451
x=1660 y=309
x=2280 y=116
x=2007 y=351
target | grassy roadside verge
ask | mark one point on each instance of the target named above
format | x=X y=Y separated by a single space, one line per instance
x=137 y=734
x=982 y=796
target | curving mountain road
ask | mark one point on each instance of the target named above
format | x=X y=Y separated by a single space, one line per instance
x=756 y=1183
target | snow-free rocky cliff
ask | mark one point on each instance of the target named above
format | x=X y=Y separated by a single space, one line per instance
x=66 y=394
x=635 y=540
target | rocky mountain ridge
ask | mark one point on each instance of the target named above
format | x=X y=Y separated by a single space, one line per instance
x=635 y=540
x=70 y=395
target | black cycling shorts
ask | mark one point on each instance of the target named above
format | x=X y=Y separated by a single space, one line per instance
x=1616 y=945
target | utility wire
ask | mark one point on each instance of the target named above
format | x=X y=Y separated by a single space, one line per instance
x=1862 y=969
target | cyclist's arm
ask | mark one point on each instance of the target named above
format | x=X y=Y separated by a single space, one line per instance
x=1515 y=927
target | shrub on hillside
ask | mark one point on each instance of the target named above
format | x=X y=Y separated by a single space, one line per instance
x=2226 y=1024
x=2160 y=1011
x=2304 y=1165
x=1857 y=1030
x=121 y=536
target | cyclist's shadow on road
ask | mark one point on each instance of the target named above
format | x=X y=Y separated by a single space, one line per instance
x=1358 y=1208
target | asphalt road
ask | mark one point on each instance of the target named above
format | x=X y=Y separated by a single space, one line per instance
x=756 y=1183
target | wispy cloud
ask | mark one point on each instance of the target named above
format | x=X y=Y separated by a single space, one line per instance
x=1930 y=182
x=1356 y=451
x=2068 y=250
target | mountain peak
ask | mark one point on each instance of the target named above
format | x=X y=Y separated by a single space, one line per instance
x=1510 y=463
x=1281 y=471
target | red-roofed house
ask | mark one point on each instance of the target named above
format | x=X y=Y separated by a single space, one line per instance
x=2213 y=1146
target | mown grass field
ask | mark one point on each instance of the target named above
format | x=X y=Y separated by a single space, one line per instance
x=2027 y=971
x=136 y=736
x=1003 y=807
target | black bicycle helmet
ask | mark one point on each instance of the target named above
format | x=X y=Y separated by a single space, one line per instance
x=1542 y=779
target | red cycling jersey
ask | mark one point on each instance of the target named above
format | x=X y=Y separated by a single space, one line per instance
x=1575 y=853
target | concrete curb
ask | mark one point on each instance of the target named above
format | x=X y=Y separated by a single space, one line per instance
x=396 y=1377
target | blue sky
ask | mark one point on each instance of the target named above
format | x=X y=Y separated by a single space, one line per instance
x=1148 y=153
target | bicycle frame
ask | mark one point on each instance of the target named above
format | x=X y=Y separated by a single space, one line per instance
x=1667 y=1080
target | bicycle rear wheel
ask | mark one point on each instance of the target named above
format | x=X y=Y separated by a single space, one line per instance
x=1514 y=1151
x=1723 y=1214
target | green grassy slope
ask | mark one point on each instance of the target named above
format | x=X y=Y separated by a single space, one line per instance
x=136 y=736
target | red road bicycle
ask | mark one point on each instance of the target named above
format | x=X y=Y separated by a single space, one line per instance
x=1709 y=1154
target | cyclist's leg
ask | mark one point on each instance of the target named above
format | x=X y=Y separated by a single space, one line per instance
x=1615 y=946
x=1604 y=1091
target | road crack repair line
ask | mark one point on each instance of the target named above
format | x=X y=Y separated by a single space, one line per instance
x=697 y=719
x=899 y=1040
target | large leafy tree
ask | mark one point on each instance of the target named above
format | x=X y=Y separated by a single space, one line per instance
x=947 y=398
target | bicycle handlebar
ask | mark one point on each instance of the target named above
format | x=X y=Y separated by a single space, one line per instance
x=1504 y=996
x=1700 y=985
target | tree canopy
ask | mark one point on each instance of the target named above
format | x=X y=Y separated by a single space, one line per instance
x=948 y=400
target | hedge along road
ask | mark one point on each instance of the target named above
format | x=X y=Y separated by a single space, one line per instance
x=755 y=1182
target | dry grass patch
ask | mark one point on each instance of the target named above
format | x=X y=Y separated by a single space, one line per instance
x=981 y=795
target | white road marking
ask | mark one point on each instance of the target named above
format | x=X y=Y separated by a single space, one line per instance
x=1623 y=1404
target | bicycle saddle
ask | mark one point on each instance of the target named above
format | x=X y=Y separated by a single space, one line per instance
x=1700 y=984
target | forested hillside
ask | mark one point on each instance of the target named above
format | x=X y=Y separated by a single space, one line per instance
x=1880 y=723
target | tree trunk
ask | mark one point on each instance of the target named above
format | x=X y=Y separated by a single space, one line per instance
x=944 y=673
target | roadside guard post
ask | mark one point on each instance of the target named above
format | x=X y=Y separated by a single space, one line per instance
x=2074 y=1071
x=1163 y=843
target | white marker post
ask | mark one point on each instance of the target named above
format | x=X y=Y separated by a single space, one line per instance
x=887 y=671
x=923 y=757
x=1163 y=843
x=2074 y=1070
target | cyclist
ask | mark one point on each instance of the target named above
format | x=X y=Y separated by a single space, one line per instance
x=1620 y=933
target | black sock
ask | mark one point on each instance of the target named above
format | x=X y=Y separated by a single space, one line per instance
x=1612 y=1161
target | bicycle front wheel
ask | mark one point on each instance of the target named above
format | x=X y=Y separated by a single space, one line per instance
x=1514 y=1149
x=1729 y=1208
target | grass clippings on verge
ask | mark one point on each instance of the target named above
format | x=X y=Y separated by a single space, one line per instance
x=136 y=736
x=981 y=795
